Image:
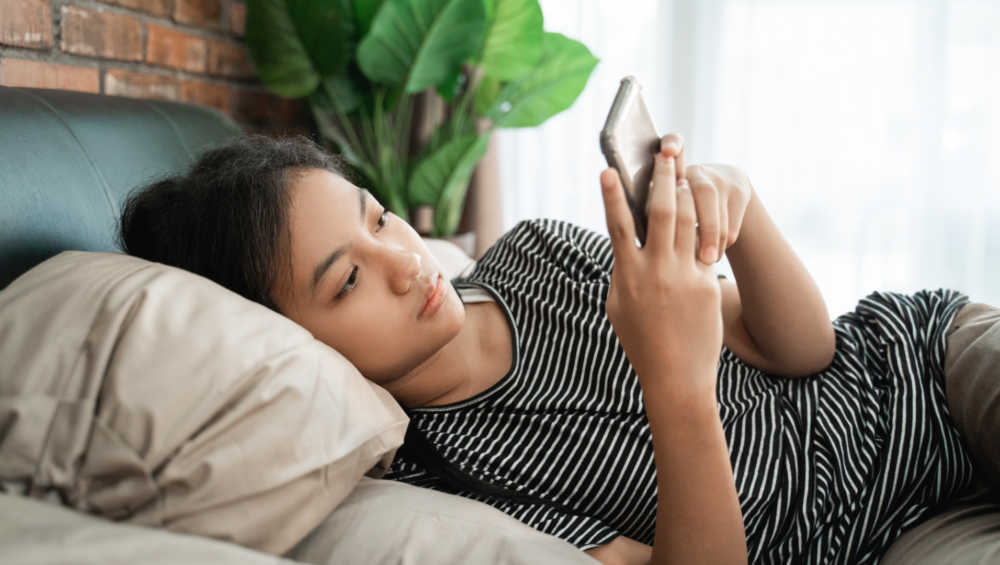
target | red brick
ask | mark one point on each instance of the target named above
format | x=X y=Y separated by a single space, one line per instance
x=155 y=7
x=140 y=85
x=214 y=95
x=174 y=49
x=26 y=23
x=253 y=106
x=228 y=60
x=98 y=34
x=200 y=13
x=33 y=74
x=238 y=19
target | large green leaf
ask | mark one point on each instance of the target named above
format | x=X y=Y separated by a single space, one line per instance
x=431 y=176
x=278 y=55
x=452 y=86
x=325 y=27
x=487 y=95
x=514 y=40
x=294 y=44
x=442 y=178
x=443 y=133
x=418 y=44
x=365 y=11
x=551 y=88
x=448 y=211
x=342 y=89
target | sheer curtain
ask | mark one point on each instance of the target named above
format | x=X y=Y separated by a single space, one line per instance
x=870 y=129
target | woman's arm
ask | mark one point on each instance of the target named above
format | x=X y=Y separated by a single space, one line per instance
x=665 y=307
x=777 y=320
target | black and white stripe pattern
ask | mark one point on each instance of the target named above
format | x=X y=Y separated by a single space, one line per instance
x=829 y=468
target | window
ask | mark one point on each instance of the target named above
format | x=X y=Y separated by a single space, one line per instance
x=870 y=129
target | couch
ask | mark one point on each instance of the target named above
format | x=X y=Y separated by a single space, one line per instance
x=66 y=161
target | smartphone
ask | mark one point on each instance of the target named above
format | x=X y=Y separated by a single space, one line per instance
x=630 y=143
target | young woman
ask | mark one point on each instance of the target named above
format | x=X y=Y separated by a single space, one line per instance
x=607 y=394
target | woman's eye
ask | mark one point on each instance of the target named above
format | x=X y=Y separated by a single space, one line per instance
x=383 y=220
x=352 y=281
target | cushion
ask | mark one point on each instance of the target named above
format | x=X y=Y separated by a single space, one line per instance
x=143 y=393
x=37 y=533
x=972 y=380
x=967 y=534
x=454 y=262
x=380 y=523
x=387 y=523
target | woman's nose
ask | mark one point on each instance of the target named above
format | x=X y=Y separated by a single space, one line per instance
x=405 y=266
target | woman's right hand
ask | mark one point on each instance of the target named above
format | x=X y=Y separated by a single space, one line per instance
x=664 y=304
x=666 y=308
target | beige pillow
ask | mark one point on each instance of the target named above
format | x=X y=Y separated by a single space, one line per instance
x=37 y=533
x=387 y=523
x=380 y=523
x=146 y=394
x=454 y=262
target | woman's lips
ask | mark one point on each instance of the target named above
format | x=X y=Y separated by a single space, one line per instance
x=435 y=300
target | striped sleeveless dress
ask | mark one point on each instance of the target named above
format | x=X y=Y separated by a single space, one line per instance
x=829 y=468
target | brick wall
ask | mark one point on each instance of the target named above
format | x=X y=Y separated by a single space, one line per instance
x=185 y=50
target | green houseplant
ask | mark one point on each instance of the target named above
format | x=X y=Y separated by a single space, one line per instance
x=360 y=64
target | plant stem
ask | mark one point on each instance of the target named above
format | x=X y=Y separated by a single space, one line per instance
x=404 y=121
x=403 y=118
x=468 y=95
x=368 y=137
x=386 y=144
x=348 y=128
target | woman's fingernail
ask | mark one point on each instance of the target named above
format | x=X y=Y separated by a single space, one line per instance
x=608 y=178
x=710 y=253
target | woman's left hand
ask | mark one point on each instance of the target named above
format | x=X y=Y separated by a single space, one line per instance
x=721 y=194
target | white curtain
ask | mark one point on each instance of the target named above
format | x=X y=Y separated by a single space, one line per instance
x=870 y=129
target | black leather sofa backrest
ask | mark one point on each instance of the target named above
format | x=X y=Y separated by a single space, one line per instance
x=68 y=158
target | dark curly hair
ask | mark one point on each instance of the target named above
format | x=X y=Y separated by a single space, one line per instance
x=226 y=217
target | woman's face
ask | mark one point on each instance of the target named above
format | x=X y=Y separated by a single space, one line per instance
x=362 y=281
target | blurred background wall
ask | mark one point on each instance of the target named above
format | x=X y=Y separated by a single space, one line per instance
x=185 y=50
x=870 y=129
